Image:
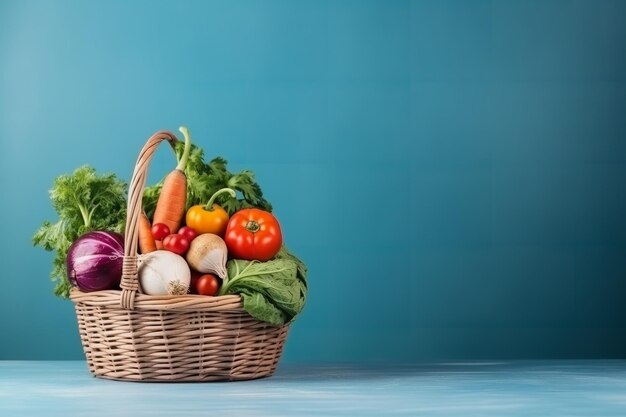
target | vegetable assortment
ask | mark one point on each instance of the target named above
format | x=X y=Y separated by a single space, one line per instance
x=204 y=230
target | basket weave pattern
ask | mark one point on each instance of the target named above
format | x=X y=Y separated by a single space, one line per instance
x=131 y=336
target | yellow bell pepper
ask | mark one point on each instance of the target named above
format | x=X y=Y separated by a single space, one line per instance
x=209 y=218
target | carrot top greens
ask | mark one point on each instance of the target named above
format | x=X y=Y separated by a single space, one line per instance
x=205 y=178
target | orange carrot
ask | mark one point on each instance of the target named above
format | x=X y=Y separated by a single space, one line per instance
x=146 y=241
x=170 y=208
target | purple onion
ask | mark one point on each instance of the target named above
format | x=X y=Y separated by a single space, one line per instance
x=94 y=261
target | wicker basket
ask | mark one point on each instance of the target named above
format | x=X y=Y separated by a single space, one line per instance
x=139 y=337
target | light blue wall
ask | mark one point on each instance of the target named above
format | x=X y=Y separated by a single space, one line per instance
x=452 y=171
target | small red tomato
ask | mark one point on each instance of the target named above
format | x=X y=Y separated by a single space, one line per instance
x=160 y=231
x=176 y=243
x=188 y=232
x=207 y=284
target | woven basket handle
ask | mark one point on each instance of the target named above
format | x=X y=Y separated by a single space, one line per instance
x=130 y=281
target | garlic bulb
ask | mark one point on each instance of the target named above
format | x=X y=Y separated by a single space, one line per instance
x=207 y=254
x=162 y=272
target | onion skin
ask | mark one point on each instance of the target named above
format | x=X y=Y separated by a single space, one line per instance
x=94 y=261
x=208 y=254
x=163 y=273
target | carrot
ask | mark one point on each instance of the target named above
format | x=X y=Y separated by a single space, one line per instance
x=146 y=241
x=170 y=208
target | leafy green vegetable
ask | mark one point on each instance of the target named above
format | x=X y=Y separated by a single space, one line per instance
x=84 y=202
x=301 y=271
x=204 y=179
x=273 y=291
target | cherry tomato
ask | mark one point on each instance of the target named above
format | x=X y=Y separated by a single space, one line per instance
x=207 y=284
x=188 y=232
x=253 y=234
x=176 y=243
x=160 y=231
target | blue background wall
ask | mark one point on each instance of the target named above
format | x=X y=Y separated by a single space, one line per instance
x=452 y=171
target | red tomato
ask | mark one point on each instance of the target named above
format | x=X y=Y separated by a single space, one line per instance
x=188 y=232
x=160 y=231
x=207 y=284
x=253 y=234
x=176 y=243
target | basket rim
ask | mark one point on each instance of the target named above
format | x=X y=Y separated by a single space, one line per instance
x=188 y=302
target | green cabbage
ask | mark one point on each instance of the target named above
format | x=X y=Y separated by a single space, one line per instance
x=272 y=291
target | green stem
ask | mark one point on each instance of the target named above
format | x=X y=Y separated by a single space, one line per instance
x=209 y=205
x=238 y=274
x=93 y=209
x=242 y=274
x=183 y=160
x=253 y=226
x=85 y=214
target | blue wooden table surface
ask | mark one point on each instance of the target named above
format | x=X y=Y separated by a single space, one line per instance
x=520 y=388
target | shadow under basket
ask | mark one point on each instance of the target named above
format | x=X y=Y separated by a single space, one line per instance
x=127 y=335
x=175 y=338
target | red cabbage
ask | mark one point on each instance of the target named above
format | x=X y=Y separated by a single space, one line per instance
x=94 y=261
